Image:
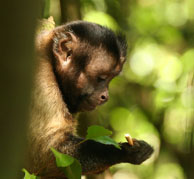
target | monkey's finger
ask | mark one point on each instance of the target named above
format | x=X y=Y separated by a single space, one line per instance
x=136 y=143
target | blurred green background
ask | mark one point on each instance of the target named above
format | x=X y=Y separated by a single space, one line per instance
x=153 y=98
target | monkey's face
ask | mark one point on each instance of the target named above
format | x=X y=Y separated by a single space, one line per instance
x=84 y=88
x=84 y=73
x=92 y=82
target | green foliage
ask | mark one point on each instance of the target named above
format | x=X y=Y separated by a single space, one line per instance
x=28 y=175
x=187 y=60
x=69 y=165
x=46 y=8
x=101 y=18
x=169 y=170
x=97 y=131
x=100 y=134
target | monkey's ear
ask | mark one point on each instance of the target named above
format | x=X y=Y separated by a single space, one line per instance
x=64 y=48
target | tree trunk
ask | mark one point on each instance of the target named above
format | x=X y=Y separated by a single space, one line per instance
x=70 y=10
x=18 y=21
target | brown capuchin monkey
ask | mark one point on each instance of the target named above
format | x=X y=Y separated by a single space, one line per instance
x=76 y=63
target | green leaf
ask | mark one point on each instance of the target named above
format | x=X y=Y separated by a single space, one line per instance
x=69 y=165
x=100 y=134
x=73 y=171
x=62 y=160
x=107 y=140
x=28 y=175
x=97 y=131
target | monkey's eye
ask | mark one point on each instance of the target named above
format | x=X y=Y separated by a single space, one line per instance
x=101 y=78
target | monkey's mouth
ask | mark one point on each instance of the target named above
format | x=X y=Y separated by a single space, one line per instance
x=88 y=106
x=91 y=107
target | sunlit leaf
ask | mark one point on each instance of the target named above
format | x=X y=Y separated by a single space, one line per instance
x=69 y=165
x=28 y=175
x=100 y=134
x=62 y=160
x=97 y=131
x=107 y=140
x=73 y=171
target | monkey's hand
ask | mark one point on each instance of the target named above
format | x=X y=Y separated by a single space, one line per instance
x=96 y=157
x=138 y=153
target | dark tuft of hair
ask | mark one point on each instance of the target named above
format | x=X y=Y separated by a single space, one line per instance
x=97 y=35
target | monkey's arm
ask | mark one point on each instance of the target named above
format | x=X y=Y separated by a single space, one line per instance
x=96 y=157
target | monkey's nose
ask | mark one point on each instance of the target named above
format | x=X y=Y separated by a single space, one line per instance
x=104 y=97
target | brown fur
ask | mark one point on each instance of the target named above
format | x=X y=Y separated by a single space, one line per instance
x=50 y=119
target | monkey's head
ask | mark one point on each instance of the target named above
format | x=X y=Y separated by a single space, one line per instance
x=86 y=58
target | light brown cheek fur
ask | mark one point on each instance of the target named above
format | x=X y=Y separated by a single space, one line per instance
x=82 y=81
x=84 y=84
